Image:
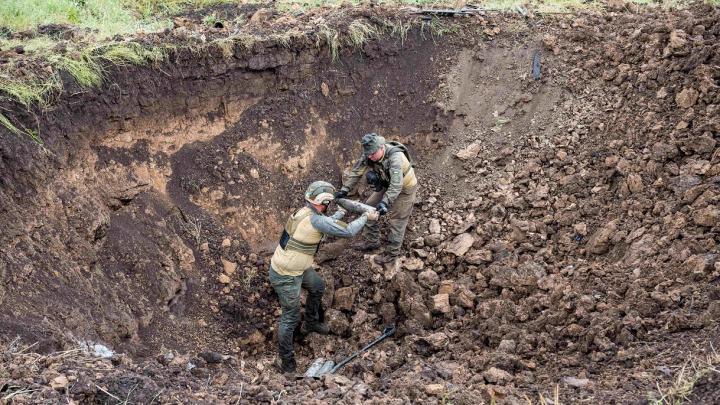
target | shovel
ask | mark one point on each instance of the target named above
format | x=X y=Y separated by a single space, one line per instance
x=320 y=366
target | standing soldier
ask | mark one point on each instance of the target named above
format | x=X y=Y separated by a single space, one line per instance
x=388 y=168
x=291 y=265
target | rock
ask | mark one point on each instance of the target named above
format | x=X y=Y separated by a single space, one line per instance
x=437 y=340
x=223 y=278
x=413 y=264
x=707 y=216
x=599 y=242
x=359 y=318
x=698 y=264
x=434 y=389
x=479 y=256
x=461 y=244
x=414 y=307
x=446 y=287
x=337 y=321
x=662 y=151
x=678 y=39
x=575 y=382
x=434 y=226
x=59 y=383
x=465 y=298
x=433 y=240
x=254 y=173
x=701 y=144
x=550 y=41
x=507 y=346
x=635 y=183
x=253 y=339
x=686 y=98
x=441 y=303
x=260 y=16
x=211 y=357
x=494 y=375
x=388 y=313
x=616 y=5
x=226 y=243
x=229 y=267
x=580 y=228
x=428 y=279
x=344 y=298
x=324 y=89
x=469 y=152
x=682 y=183
x=332 y=381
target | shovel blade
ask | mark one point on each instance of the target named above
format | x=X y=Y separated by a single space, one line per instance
x=319 y=367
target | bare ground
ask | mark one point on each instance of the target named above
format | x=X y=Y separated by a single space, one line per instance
x=565 y=235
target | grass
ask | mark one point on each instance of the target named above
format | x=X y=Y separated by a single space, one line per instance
x=29 y=93
x=360 y=32
x=103 y=19
x=331 y=38
x=132 y=53
x=87 y=67
x=690 y=373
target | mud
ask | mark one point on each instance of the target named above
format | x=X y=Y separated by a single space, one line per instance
x=565 y=234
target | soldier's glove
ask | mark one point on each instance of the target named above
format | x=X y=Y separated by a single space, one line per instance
x=382 y=208
x=341 y=194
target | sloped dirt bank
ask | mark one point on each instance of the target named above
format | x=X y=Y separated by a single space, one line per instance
x=119 y=226
x=566 y=231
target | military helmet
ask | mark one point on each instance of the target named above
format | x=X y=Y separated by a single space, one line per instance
x=320 y=192
x=371 y=143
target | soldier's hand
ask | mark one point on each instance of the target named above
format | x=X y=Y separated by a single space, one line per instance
x=382 y=208
x=373 y=215
x=341 y=194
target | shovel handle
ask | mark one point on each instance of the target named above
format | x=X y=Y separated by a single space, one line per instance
x=388 y=331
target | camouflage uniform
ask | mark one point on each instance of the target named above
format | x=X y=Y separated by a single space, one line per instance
x=399 y=187
x=291 y=269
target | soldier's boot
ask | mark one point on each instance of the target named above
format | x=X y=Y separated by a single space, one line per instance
x=286 y=365
x=366 y=245
x=321 y=328
x=386 y=258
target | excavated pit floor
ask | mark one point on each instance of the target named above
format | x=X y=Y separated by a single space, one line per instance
x=565 y=232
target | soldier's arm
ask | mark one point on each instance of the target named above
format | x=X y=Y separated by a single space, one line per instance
x=339 y=214
x=351 y=177
x=396 y=179
x=335 y=227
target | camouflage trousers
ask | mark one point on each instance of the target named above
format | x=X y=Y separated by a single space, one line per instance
x=288 y=291
x=398 y=218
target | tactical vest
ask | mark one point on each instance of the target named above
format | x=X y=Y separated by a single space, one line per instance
x=409 y=179
x=298 y=244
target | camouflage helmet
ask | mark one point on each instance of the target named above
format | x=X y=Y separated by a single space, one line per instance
x=320 y=192
x=371 y=143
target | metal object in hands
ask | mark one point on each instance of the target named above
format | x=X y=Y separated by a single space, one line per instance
x=354 y=206
x=320 y=366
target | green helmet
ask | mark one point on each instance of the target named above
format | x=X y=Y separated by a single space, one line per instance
x=320 y=192
x=371 y=143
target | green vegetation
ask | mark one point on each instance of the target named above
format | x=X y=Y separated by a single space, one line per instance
x=91 y=51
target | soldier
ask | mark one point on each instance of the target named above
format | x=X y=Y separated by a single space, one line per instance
x=389 y=170
x=291 y=265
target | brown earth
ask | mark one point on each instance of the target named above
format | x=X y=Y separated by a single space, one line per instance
x=565 y=234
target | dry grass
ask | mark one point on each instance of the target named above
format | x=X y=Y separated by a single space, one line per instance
x=15 y=352
x=686 y=378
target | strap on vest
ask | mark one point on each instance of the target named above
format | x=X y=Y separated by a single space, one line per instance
x=287 y=242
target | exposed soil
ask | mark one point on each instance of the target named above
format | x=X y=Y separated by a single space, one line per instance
x=566 y=232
